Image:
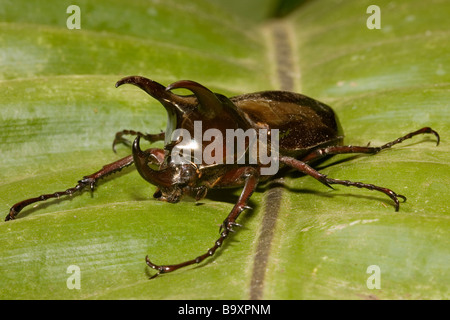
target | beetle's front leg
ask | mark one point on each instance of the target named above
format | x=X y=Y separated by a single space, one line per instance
x=86 y=181
x=149 y=137
x=89 y=180
x=251 y=176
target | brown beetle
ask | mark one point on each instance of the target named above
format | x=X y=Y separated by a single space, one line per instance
x=305 y=130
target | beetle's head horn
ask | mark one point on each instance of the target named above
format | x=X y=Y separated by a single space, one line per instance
x=172 y=102
x=160 y=178
x=207 y=103
x=175 y=105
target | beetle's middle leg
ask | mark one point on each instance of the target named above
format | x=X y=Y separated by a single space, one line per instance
x=149 y=137
x=305 y=168
x=251 y=177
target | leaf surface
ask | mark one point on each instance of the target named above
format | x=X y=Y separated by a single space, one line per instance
x=60 y=111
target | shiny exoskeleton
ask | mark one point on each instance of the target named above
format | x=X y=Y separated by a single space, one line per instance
x=308 y=131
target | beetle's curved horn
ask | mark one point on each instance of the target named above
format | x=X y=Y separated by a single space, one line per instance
x=153 y=88
x=160 y=178
x=210 y=105
x=169 y=100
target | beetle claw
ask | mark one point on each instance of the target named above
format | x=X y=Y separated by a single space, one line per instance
x=154 y=266
x=437 y=136
x=397 y=203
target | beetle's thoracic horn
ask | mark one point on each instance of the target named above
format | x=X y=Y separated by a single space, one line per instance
x=210 y=105
x=161 y=178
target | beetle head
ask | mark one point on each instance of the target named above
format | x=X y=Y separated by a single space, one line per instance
x=172 y=180
x=213 y=111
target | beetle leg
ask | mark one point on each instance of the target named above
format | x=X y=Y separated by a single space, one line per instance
x=86 y=181
x=149 y=137
x=322 y=152
x=251 y=181
x=89 y=180
x=305 y=168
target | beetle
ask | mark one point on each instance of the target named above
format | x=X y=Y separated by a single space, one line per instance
x=308 y=130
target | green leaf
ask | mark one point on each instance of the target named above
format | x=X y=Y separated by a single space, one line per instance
x=60 y=111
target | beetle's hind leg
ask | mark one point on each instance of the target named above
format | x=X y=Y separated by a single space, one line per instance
x=305 y=168
x=332 y=150
x=149 y=137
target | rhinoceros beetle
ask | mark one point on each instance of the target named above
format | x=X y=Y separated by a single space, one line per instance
x=306 y=131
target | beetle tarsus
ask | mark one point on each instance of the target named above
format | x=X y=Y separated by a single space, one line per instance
x=169 y=268
x=394 y=196
x=410 y=135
